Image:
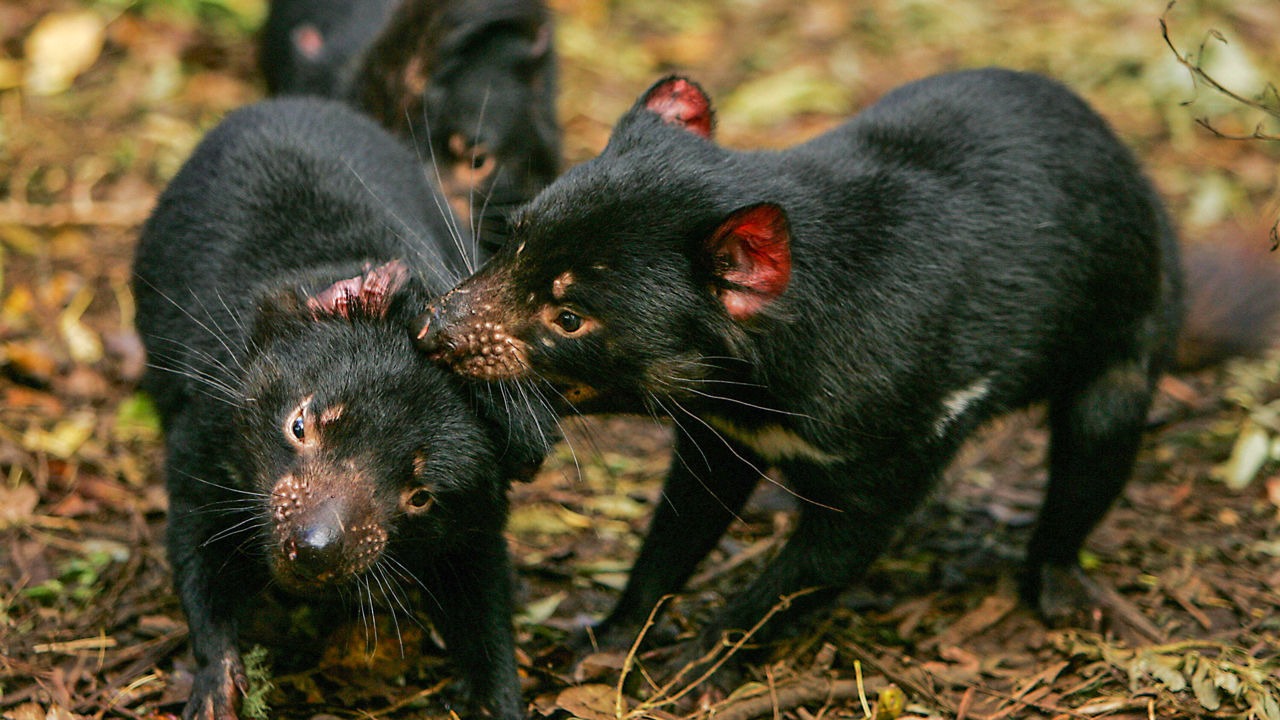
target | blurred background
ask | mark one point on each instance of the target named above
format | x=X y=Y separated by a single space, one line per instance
x=100 y=103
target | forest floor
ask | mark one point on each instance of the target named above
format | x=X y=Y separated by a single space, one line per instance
x=89 y=625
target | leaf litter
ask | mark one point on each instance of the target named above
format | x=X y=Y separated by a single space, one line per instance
x=90 y=131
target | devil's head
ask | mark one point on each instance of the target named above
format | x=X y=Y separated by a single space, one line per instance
x=631 y=272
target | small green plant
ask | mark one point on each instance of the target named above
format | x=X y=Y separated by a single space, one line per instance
x=258 y=670
x=77 y=578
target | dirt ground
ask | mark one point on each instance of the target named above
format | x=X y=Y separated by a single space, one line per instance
x=101 y=102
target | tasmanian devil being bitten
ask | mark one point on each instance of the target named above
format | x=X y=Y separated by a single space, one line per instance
x=848 y=310
x=308 y=443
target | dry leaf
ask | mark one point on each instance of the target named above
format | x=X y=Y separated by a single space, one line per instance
x=60 y=47
x=589 y=702
x=64 y=439
x=1248 y=455
x=17 y=504
x=83 y=343
x=538 y=611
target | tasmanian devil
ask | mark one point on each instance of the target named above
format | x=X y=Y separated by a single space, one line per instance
x=471 y=83
x=848 y=310
x=308 y=442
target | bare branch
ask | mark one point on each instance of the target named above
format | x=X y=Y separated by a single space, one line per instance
x=1192 y=64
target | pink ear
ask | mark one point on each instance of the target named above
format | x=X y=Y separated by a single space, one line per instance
x=370 y=292
x=679 y=101
x=752 y=249
x=308 y=40
x=541 y=42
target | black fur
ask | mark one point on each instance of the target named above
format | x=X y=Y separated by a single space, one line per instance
x=470 y=83
x=279 y=202
x=971 y=243
x=344 y=30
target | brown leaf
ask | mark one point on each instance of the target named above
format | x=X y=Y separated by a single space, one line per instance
x=598 y=665
x=589 y=702
x=33 y=359
x=17 y=504
x=989 y=612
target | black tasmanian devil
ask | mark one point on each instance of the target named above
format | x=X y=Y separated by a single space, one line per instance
x=848 y=310
x=470 y=83
x=308 y=442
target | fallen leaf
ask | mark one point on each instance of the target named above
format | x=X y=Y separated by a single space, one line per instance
x=1249 y=453
x=598 y=665
x=64 y=439
x=17 y=504
x=32 y=359
x=1273 y=490
x=988 y=613
x=60 y=47
x=10 y=74
x=136 y=419
x=537 y=612
x=83 y=343
x=20 y=238
x=589 y=702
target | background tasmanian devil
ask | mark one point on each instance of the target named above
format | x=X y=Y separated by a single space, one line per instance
x=848 y=310
x=471 y=83
x=308 y=442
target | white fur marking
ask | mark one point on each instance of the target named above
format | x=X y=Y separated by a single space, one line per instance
x=954 y=405
x=773 y=442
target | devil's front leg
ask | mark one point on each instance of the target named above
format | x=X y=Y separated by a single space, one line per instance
x=707 y=484
x=848 y=514
x=214 y=579
x=469 y=597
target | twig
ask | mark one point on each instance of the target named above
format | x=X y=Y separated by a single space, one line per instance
x=662 y=697
x=1198 y=73
x=966 y=700
x=119 y=214
x=630 y=660
x=1043 y=707
x=787 y=696
x=428 y=692
x=899 y=678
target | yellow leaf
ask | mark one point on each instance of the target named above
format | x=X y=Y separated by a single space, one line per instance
x=60 y=47
x=1247 y=456
x=538 y=611
x=83 y=343
x=64 y=439
x=10 y=74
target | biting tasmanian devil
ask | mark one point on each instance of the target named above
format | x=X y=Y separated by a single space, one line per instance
x=308 y=443
x=848 y=310
x=470 y=83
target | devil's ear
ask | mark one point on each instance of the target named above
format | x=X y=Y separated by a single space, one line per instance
x=308 y=41
x=369 y=293
x=540 y=45
x=681 y=102
x=750 y=254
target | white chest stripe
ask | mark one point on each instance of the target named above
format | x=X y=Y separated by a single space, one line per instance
x=954 y=405
x=773 y=442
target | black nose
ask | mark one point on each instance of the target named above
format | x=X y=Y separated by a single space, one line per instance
x=318 y=550
x=428 y=331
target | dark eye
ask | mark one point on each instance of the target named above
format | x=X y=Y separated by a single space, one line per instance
x=420 y=498
x=295 y=426
x=569 y=321
x=478 y=159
